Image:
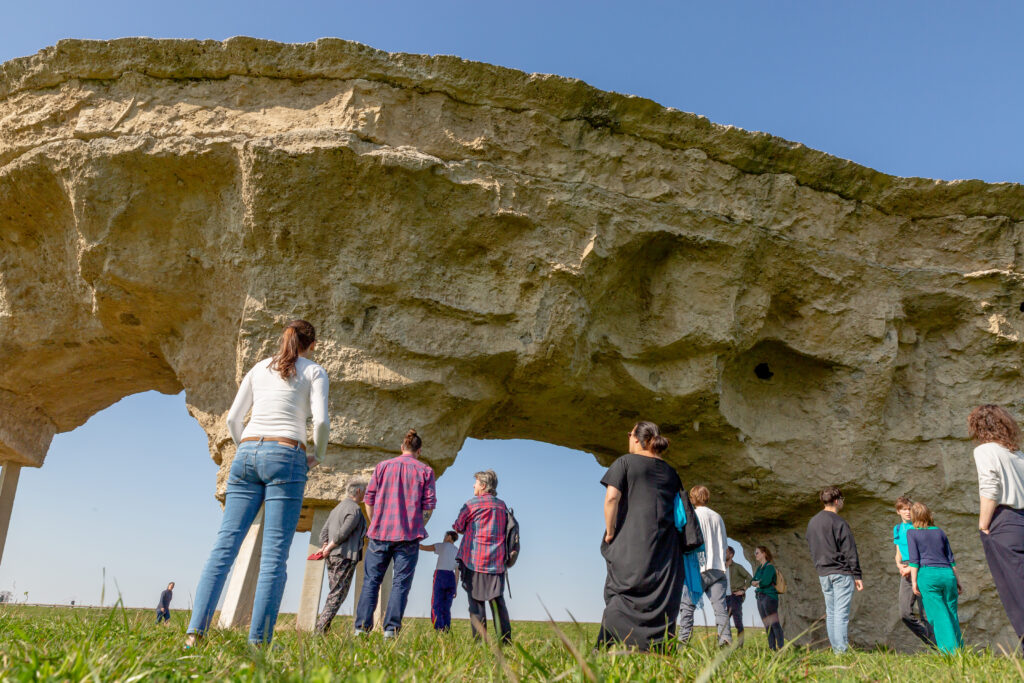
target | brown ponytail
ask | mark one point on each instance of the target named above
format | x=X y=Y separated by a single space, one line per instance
x=412 y=442
x=297 y=337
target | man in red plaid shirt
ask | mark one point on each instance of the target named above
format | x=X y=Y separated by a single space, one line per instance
x=399 y=498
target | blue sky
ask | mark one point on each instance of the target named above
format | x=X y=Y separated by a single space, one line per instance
x=910 y=88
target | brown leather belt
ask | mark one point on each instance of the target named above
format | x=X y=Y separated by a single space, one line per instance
x=277 y=439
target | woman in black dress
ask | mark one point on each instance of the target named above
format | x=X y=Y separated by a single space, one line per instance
x=641 y=544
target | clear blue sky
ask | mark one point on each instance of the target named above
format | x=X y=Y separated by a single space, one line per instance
x=912 y=88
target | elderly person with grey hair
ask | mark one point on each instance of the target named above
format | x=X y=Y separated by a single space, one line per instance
x=342 y=547
x=482 y=553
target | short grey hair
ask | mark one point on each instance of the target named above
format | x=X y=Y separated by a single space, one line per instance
x=355 y=486
x=488 y=479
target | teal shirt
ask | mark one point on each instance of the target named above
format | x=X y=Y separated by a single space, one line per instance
x=765 y=576
x=899 y=539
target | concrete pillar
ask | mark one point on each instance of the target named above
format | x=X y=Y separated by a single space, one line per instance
x=313 y=580
x=385 y=593
x=8 y=486
x=237 y=609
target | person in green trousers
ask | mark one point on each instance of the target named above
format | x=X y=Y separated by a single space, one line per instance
x=934 y=577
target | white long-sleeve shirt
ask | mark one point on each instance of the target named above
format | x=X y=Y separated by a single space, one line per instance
x=715 y=541
x=281 y=407
x=1000 y=474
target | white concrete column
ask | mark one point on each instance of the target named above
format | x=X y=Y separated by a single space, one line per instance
x=237 y=609
x=313 y=580
x=382 y=599
x=8 y=486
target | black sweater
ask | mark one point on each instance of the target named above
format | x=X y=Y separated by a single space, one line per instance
x=832 y=548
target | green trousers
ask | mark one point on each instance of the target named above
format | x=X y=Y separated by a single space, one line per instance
x=939 y=596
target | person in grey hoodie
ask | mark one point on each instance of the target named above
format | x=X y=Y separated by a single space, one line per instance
x=341 y=541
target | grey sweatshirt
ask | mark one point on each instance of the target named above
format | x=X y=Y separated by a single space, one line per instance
x=346 y=527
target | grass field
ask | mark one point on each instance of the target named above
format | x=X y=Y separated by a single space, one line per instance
x=63 y=644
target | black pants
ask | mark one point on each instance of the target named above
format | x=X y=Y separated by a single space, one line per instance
x=768 y=608
x=735 y=605
x=919 y=626
x=1004 y=551
x=478 y=615
x=163 y=616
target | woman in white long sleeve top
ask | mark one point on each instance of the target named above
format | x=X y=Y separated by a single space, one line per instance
x=269 y=469
x=1000 y=466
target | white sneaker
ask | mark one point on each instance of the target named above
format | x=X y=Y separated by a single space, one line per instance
x=390 y=635
x=358 y=632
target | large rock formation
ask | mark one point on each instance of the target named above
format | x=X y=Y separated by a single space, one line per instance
x=493 y=254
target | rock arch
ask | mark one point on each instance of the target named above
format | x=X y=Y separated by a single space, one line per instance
x=494 y=254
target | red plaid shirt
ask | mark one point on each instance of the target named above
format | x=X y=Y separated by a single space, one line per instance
x=482 y=522
x=399 y=491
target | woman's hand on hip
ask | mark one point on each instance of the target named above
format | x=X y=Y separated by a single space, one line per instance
x=311 y=461
x=608 y=536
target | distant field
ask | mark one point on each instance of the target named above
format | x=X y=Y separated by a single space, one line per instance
x=64 y=644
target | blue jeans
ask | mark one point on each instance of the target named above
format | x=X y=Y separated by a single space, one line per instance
x=838 y=590
x=269 y=474
x=378 y=556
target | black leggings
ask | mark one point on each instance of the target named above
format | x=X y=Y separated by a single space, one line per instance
x=768 y=608
x=478 y=615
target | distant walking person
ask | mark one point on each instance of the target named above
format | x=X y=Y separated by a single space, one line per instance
x=269 y=469
x=446 y=578
x=1000 y=464
x=163 y=608
x=907 y=597
x=341 y=542
x=933 y=573
x=835 y=557
x=482 y=521
x=739 y=582
x=641 y=546
x=766 y=581
x=400 y=499
x=712 y=569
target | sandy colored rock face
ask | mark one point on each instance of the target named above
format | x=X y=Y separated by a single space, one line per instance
x=492 y=254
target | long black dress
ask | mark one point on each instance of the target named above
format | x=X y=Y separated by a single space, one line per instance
x=645 y=567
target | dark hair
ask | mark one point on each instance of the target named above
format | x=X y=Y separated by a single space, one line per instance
x=729 y=550
x=990 y=423
x=412 y=442
x=452 y=534
x=767 y=553
x=650 y=438
x=903 y=503
x=295 y=339
x=921 y=516
x=830 y=494
x=699 y=495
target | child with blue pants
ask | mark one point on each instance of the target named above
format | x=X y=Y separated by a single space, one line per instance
x=445 y=580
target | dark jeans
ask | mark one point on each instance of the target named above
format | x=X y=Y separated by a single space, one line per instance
x=918 y=626
x=768 y=608
x=735 y=605
x=163 y=616
x=1004 y=551
x=441 y=601
x=379 y=555
x=478 y=613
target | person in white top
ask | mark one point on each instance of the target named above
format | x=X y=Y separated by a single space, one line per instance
x=1000 y=466
x=712 y=570
x=446 y=578
x=269 y=469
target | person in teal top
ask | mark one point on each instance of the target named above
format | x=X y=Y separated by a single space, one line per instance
x=767 y=595
x=919 y=626
x=933 y=575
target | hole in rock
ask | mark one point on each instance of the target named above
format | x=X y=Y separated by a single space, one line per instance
x=762 y=371
x=1022 y=307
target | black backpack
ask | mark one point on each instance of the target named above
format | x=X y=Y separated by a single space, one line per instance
x=511 y=538
x=691 y=537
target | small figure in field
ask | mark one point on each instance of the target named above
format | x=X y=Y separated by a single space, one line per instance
x=907 y=597
x=163 y=608
x=341 y=541
x=269 y=469
x=482 y=521
x=446 y=578
x=934 y=577
x=834 y=553
x=1000 y=464
x=766 y=591
x=641 y=545
x=739 y=582
x=399 y=499
x=712 y=570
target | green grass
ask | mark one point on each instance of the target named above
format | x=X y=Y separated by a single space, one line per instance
x=63 y=644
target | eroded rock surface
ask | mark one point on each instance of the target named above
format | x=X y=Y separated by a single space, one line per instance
x=493 y=254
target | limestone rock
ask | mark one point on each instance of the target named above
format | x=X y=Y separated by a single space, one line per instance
x=493 y=254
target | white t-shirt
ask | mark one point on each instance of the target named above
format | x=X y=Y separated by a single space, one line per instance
x=281 y=407
x=1000 y=474
x=715 y=542
x=446 y=553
